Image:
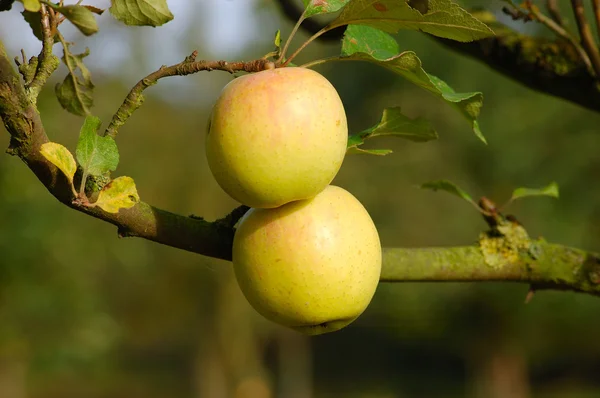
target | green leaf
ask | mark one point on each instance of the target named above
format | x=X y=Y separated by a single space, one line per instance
x=75 y=92
x=364 y=39
x=393 y=123
x=80 y=16
x=277 y=40
x=372 y=45
x=314 y=7
x=444 y=18
x=550 y=190
x=32 y=5
x=141 y=12
x=120 y=193
x=447 y=186
x=96 y=155
x=61 y=157
x=359 y=151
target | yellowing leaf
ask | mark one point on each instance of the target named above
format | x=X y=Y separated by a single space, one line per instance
x=32 y=5
x=120 y=193
x=60 y=156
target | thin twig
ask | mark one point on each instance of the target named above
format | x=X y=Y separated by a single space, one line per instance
x=554 y=11
x=291 y=36
x=135 y=98
x=306 y=43
x=586 y=35
x=596 y=5
x=47 y=62
x=560 y=31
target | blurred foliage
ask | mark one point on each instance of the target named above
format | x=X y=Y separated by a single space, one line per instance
x=85 y=314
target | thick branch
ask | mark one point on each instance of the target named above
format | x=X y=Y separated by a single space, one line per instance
x=550 y=67
x=555 y=267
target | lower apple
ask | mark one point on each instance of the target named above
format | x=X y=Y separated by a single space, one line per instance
x=312 y=265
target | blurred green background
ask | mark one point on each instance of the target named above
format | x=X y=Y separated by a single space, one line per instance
x=86 y=314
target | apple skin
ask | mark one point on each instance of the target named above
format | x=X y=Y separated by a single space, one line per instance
x=311 y=265
x=276 y=136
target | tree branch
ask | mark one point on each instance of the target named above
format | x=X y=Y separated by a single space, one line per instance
x=587 y=39
x=554 y=11
x=556 y=267
x=549 y=66
x=24 y=124
x=47 y=61
x=135 y=98
x=504 y=254
x=596 y=7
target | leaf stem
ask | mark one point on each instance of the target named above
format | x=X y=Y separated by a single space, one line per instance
x=82 y=186
x=291 y=36
x=321 y=61
x=307 y=42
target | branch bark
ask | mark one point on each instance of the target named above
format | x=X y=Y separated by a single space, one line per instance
x=552 y=266
x=555 y=267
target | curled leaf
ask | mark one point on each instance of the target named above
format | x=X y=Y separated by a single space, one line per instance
x=120 y=193
x=392 y=123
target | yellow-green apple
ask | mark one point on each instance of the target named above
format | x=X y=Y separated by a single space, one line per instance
x=312 y=265
x=276 y=136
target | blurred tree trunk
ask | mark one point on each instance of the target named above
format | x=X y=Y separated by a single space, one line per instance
x=295 y=365
x=210 y=380
x=232 y=363
x=499 y=373
x=13 y=371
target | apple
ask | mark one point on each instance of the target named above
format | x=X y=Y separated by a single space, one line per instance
x=311 y=265
x=276 y=136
